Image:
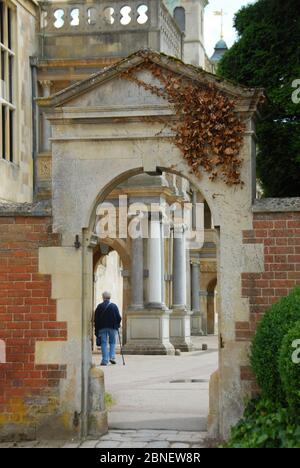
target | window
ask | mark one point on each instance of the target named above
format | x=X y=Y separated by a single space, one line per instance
x=7 y=108
x=179 y=16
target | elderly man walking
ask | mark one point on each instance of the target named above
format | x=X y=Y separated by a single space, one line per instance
x=107 y=323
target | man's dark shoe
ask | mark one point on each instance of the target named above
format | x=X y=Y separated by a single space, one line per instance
x=103 y=364
x=112 y=361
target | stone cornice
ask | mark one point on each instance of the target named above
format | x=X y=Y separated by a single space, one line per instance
x=66 y=63
x=248 y=97
x=103 y=112
x=273 y=205
x=9 y=209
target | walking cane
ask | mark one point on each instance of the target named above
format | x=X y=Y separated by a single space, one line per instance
x=121 y=349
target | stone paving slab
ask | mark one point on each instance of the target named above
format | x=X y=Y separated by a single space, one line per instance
x=125 y=439
x=151 y=439
x=108 y=444
x=89 y=444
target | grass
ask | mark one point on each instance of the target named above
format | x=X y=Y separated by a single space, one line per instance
x=109 y=400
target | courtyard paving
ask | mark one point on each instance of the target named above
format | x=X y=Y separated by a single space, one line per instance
x=158 y=402
x=162 y=392
x=126 y=439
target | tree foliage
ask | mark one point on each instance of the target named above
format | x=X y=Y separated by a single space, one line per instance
x=265 y=349
x=289 y=368
x=267 y=54
x=273 y=419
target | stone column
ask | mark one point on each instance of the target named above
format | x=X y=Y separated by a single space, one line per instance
x=203 y=308
x=155 y=263
x=195 y=287
x=137 y=273
x=196 y=317
x=180 y=325
x=148 y=326
x=46 y=127
x=163 y=268
x=194 y=211
x=179 y=269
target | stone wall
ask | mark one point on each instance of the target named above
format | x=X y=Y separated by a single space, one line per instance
x=29 y=393
x=276 y=225
x=16 y=179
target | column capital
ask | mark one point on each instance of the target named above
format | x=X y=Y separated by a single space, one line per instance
x=46 y=85
x=179 y=228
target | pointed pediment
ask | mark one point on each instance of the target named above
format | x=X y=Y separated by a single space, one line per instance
x=103 y=88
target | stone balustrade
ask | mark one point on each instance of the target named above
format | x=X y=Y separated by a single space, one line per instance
x=148 y=18
x=91 y=15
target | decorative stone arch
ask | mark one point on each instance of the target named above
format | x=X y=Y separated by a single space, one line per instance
x=119 y=246
x=100 y=138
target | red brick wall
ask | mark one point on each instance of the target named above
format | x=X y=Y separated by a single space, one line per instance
x=280 y=235
x=27 y=315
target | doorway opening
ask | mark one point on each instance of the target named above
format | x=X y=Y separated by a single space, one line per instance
x=161 y=281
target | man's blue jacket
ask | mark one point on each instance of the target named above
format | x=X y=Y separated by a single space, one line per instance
x=107 y=315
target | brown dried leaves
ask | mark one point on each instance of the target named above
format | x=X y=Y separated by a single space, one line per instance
x=208 y=131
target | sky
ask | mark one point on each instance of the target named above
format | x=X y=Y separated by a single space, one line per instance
x=213 y=23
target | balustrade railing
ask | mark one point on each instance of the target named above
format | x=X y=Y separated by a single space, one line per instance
x=87 y=16
x=94 y=17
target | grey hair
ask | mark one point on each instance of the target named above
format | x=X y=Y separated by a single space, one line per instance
x=106 y=295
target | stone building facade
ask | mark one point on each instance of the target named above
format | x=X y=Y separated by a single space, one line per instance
x=19 y=41
x=86 y=135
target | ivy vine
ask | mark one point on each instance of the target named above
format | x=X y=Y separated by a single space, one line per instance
x=207 y=130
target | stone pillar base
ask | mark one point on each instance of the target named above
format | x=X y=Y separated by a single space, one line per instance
x=148 y=332
x=204 y=323
x=196 y=324
x=180 y=329
x=97 y=414
x=149 y=348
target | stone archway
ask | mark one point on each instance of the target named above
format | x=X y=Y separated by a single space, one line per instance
x=216 y=386
x=99 y=138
